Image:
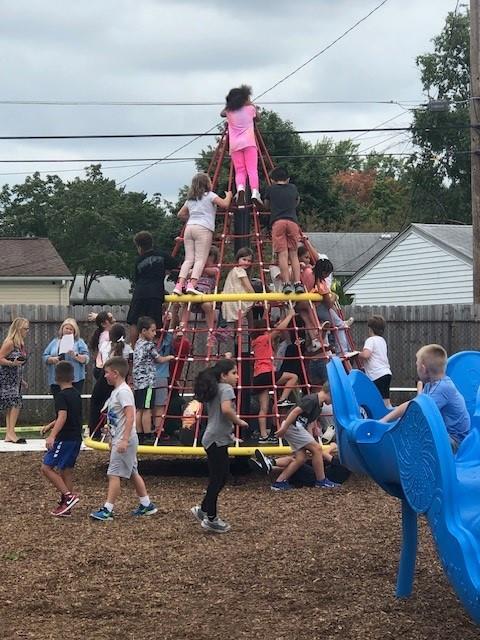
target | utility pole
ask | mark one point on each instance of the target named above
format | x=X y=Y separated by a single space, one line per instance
x=475 y=140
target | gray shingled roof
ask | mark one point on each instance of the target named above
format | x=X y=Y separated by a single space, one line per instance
x=31 y=257
x=349 y=252
x=455 y=237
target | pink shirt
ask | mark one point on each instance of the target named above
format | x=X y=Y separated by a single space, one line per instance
x=240 y=128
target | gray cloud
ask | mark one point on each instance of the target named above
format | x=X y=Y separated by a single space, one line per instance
x=184 y=51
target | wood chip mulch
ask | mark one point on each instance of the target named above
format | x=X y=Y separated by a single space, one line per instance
x=306 y=564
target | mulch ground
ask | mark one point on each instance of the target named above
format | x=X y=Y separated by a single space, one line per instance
x=303 y=564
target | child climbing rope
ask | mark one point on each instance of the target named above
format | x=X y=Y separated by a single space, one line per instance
x=282 y=198
x=199 y=213
x=264 y=375
x=241 y=114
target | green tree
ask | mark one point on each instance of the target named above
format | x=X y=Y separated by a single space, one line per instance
x=90 y=221
x=440 y=173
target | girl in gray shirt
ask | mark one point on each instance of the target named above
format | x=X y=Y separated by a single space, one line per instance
x=214 y=387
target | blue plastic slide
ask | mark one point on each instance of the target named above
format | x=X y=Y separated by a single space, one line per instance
x=411 y=459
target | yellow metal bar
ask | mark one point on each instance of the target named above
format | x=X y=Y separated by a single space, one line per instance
x=244 y=297
x=171 y=450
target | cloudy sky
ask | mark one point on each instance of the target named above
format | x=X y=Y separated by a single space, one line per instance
x=189 y=51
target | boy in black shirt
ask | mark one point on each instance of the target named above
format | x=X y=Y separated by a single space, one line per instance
x=65 y=439
x=282 y=198
x=295 y=429
x=148 y=280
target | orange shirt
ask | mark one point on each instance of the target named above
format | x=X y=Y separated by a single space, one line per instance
x=322 y=287
x=263 y=354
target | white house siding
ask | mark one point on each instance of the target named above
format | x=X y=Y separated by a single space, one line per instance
x=415 y=272
x=25 y=292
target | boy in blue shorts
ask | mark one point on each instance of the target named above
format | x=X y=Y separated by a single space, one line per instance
x=124 y=442
x=431 y=366
x=65 y=439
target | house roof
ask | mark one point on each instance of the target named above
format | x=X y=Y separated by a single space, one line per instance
x=31 y=257
x=454 y=238
x=107 y=290
x=349 y=252
x=104 y=290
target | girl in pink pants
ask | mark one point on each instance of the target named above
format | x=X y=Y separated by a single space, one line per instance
x=240 y=114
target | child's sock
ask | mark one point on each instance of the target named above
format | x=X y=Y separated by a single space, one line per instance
x=108 y=506
x=144 y=501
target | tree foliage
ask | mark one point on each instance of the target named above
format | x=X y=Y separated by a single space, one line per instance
x=441 y=170
x=90 y=221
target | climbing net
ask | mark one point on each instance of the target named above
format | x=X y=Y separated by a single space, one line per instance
x=197 y=345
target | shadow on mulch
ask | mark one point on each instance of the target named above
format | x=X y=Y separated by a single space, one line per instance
x=306 y=564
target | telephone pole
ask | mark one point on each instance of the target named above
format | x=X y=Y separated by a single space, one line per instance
x=475 y=140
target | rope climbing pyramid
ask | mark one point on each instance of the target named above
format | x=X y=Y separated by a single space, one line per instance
x=218 y=321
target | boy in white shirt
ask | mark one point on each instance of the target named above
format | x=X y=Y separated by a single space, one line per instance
x=124 y=442
x=375 y=358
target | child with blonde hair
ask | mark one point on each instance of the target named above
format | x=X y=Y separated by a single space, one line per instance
x=431 y=366
x=199 y=213
x=13 y=356
x=123 y=444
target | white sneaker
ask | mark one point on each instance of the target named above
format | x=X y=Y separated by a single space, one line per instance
x=215 y=526
x=349 y=322
x=328 y=435
x=315 y=345
x=256 y=196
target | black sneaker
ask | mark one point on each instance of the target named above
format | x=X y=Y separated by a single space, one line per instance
x=288 y=288
x=299 y=288
x=264 y=440
x=264 y=461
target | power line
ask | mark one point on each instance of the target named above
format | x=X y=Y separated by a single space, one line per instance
x=135 y=103
x=267 y=90
x=109 y=136
x=319 y=53
x=193 y=158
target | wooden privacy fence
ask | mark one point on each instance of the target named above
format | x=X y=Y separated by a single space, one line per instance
x=456 y=327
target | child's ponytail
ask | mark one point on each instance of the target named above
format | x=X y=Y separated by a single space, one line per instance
x=117 y=340
x=101 y=318
x=205 y=386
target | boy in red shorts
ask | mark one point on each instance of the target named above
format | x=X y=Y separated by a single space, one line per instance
x=282 y=199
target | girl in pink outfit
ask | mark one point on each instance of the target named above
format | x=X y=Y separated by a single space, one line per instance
x=240 y=114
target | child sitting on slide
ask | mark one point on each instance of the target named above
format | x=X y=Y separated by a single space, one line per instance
x=431 y=365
